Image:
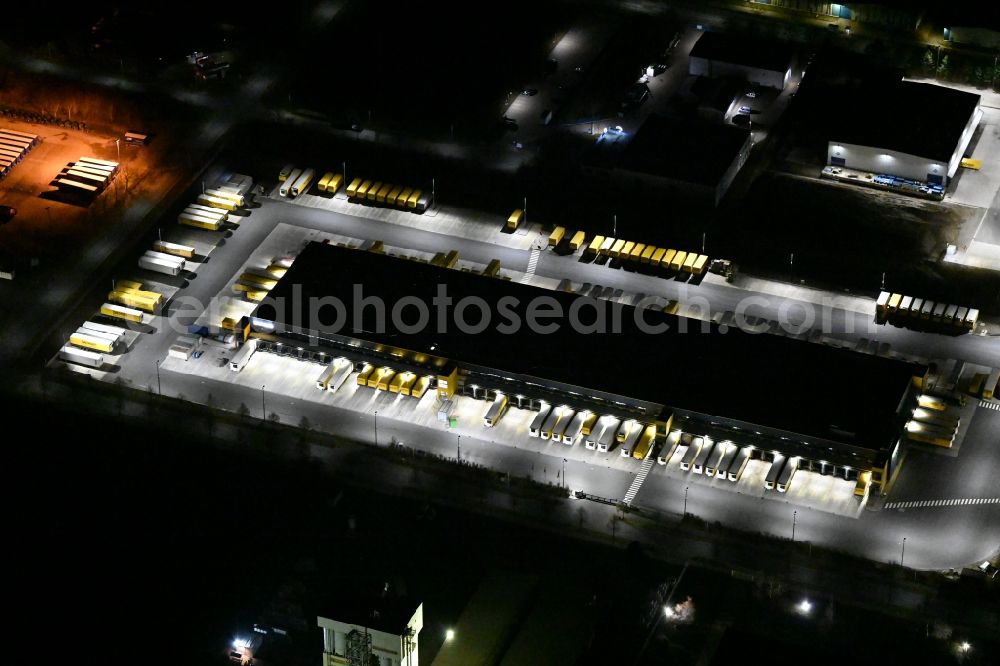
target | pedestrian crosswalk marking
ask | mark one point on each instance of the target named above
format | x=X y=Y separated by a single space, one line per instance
x=532 y=265
x=916 y=504
x=990 y=405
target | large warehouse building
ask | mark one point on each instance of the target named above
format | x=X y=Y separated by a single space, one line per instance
x=694 y=157
x=763 y=63
x=913 y=130
x=840 y=412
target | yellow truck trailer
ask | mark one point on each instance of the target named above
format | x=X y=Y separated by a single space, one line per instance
x=647 y=254
x=577 y=241
x=383 y=193
x=492 y=269
x=372 y=192
x=365 y=373
x=451 y=259
x=627 y=250
x=699 y=264
x=689 y=262
x=678 y=261
x=91 y=342
x=335 y=182
x=637 y=251
x=641 y=449
x=120 y=312
x=128 y=284
x=409 y=379
x=411 y=201
x=403 y=197
x=390 y=199
x=420 y=387
x=352 y=189
x=668 y=256
x=324 y=181
x=616 y=249
x=556 y=236
x=595 y=244
x=266 y=282
x=396 y=382
x=384 y=378
x=588 y=424
x=657 y=256
x=362 y=190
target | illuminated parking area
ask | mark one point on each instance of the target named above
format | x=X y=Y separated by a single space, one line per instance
x=813 y=490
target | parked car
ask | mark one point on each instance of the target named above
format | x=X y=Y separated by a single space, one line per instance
x=7 y=213
x=529 y=92
x=744 y=109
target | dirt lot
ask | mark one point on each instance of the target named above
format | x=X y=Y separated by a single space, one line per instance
x=48 y=224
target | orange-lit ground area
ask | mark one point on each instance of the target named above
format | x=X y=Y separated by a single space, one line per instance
x=49 y=224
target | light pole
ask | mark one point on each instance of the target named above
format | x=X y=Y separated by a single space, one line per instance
x=564 y=473
x=794 y=514
x=614 y=226
x=902 y=552
x=263 y=408
x=376 y=427
x=119 y=148
x=791 y=261
x=159 y=391
x=703 y=242
x=686 y=500
x=458 y=450
x=525 y=210
x=433 y=192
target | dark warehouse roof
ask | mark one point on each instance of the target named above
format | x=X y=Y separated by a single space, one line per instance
x=738 y=50
x=772 y=381
x=686 y=150
x=919 y=119
x=383 y=613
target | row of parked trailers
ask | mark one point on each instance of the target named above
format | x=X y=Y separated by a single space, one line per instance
x=564 y=424
x=932 y=422
x=88 y=176
x=902 y=309
x=387 y=379
x=665 y=259
x=14 y=146
x=88 y=344
x=387 y=194
x=212 y=207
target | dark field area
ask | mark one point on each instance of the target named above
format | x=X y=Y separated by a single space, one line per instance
x=430 y=69
x=160 y=549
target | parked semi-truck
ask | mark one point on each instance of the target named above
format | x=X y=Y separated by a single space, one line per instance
x=608 y=437
x=729 y=451
x=631 y=439
x=117 y=311
x=715 y=459
x=669 y=446
x=693 y=450
x=551 y=422
x=577 y=241
x=774 y=472
x=698 y=466
x=286 y=185
x=787 y=472
x=739 y=463
x=185 y=251
x=496 y=410
x=216 y=202
x=645 y=443
x=161 y=265
x=90 y=359
x=242 y=356
x=301 y=185
x=342 y=370
x=574 y=428
x=90 y=341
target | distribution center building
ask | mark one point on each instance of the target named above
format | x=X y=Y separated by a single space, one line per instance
x=763 y=63
x=692 y=156
x=838 y=410
x=912 y=130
